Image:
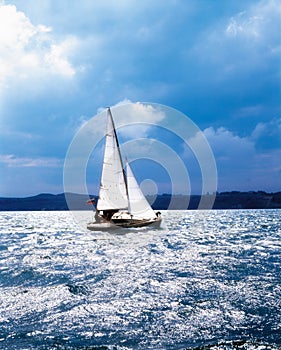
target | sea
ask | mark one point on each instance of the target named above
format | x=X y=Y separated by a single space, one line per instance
x=204 y=280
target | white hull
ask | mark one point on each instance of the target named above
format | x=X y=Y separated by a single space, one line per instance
x=105 y=226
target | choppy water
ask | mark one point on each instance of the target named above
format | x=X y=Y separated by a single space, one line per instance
x=206 y=280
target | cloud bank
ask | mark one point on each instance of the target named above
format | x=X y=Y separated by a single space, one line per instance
x=217 y=62
x=30 y=51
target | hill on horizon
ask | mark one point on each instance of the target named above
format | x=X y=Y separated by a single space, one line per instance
x=223 y=200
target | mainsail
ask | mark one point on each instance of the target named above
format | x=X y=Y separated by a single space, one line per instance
x=138 y=205
x=113 y=189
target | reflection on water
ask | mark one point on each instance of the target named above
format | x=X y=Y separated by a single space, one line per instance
x=206 y=279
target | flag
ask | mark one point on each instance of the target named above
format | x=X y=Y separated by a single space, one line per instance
x=91 y=201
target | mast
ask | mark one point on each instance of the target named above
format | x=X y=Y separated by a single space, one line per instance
x=119 y=152
x=113 y=194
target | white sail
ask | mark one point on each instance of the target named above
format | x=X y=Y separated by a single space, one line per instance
x=138 y=205
x=113 y=191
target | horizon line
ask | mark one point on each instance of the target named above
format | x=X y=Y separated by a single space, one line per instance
x=158 y=194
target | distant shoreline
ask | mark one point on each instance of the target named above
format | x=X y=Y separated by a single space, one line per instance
x=223 y=200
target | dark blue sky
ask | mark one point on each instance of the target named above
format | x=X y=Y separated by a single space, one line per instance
x=218 y=62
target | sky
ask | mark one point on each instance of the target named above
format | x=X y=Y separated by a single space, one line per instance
x=217 y=62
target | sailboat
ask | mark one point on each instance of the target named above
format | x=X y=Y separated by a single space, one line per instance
x=121 y=202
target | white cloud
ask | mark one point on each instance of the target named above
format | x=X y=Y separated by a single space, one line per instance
x=12 y=161
x=28 y=50
x=57 y=60
x=256 y=22
x=138 y=119
x=228 y=146
x=241 y=165
x=243 y=25
x=270 y=129
x=135 y=119
x=137 y=112
x=246 y=43
x=268 y=135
